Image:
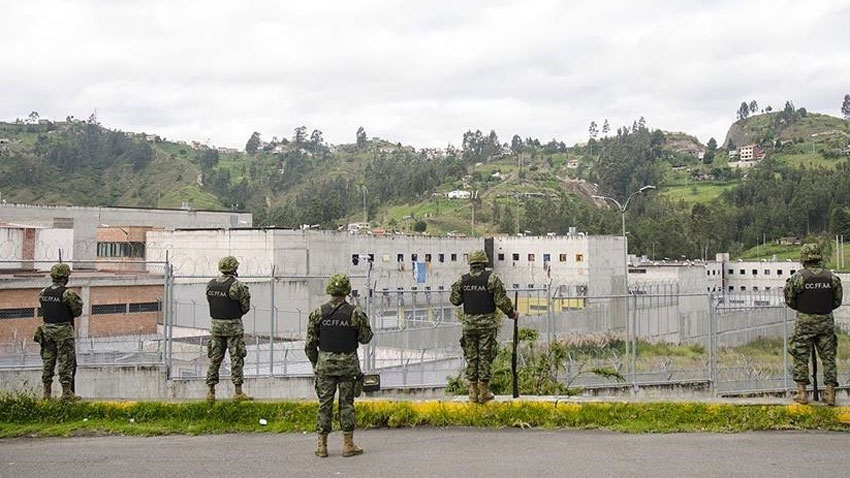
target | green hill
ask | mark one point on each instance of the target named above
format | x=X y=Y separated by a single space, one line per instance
x=524 y=185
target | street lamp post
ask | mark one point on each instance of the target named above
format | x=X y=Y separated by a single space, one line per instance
x=630 y=335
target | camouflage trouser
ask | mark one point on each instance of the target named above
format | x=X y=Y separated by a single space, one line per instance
x=226 y=335
x=57 y=345
x=326 y=386
x=817 y=331
x=479 y=350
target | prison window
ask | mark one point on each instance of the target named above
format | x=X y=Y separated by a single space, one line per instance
x=742 y=272
x=427 y=257
x=103 y=309
x=779 y=272
x=466 y=258
x=400 y=258
x=144 y=307
x=515 y=257
x=501 y=256
x=562 y=257
x=755 y=272
x=731 y=272
x=547 y=257
x=579 y=257
x=531 y=258
x=414 y=257
x=21 y=313
x=454 y=257
x=441 y=257
x=767 y=272
x=792 y=271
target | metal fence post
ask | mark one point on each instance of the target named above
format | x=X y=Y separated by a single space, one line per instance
x=785 y=349
x=272 y=326
x=714 y=345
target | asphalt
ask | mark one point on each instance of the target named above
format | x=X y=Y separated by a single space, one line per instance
x=429 y=452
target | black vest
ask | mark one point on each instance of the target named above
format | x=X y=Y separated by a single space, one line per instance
x=817 y=294
x=221 y=305
x=334 y=329
x=477 y=299
x=52 y=307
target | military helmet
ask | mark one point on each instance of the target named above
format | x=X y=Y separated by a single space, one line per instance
x=338 y=284
x=810 y=253
x=228 y=265
x=478 y=257
x=60 y=271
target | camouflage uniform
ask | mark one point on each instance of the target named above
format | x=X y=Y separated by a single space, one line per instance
x=227 y=334
x=336 y=370
x=57 y=339
x=816 y=330
x=479 y=339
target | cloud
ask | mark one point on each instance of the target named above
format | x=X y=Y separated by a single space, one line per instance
x=418 y=72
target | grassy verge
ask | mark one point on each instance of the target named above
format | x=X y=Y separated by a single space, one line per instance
x=25 y=416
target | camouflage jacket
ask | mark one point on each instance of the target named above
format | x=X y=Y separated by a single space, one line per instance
x=500 y=297
x=332 y=363
x=794 y=285
x=69 y=298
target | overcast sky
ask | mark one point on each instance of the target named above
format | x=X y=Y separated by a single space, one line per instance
x=417 y=72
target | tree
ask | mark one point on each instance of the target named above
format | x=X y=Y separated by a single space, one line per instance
x=33 y=117
x=420 y=226
x=768 y=108
x=710 y=152
x=606 y=127
x=743 y=111
x=789 y=108
x=361 y=138
x=253 y=143
x=845 y=107
x=754 y=106
x=316 y=138
x=516 y=144
x=642 y=123
x=593 y=130
x=209 y=158
x=300 y=135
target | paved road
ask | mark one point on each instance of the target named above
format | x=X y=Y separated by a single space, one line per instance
x=460 y=452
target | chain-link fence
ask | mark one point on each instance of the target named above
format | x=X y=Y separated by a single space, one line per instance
x=655 y=335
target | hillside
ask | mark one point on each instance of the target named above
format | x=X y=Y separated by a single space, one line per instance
x=813 y=132
x=522 y=186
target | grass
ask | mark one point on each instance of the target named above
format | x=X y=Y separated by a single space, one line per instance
x=767 y=251
x=24 y=416
x=806 y=159
x=697 y=192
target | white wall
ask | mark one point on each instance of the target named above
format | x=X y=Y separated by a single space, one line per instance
x=48 y=243
x=11 y=247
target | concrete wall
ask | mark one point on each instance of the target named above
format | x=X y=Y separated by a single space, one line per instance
x=48 y=243
x=87 y=219
x=11 y=247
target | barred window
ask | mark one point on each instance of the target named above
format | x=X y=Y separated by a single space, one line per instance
x=121 y=249
x=102 y=309
x=20 y=313
x=144 y=307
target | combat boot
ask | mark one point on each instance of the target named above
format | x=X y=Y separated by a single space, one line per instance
x=484 y=394
x=239 y=395
x=802 y=396
x=829 y=395
x=48 y=391
x=473 y=392
x=322 y=445
x=67 y=394
x=211 y=394
x=348 y=446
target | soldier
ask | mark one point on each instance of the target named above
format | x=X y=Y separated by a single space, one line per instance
x=59 y=306
x=335 y=330
x=814 y=292
x=229 y=300
x=480 y=292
